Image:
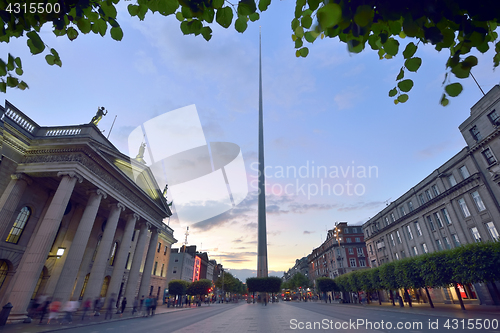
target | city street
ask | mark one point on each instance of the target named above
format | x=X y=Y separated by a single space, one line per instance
x=292 y=316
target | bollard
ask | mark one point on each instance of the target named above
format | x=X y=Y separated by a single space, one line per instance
x=4 y=314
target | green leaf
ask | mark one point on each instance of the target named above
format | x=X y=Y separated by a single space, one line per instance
x=22 y=85
x=329 y=15
x=50 y=59
x=3 y=69
x=460 y=71
x=167 y=7
x=84 y=25
x=35 y=42
x=116 y=33
x=402 y=98
x=299 y=32
x=72 y=33
x=263 y=4
x=444 y=101
x=241 y=24
x=405 y=85
x=12 y=81
x=185 y=28
x=295 y=24
x=206 y=32
x=246 y=7
x=393 y=92
x=413 y=64
x=401 y=74
x=306 y=21
x=19 y=71
x=310 y=36
x=254 y=17
x=363 y=16
x=313 y=4
x=469 y=62
x=304 y=52
x=179 y=16
x=102 y=26
x=18 y=62
x=217 y=3
x=186 y=12
x=3 y=86
x=391 y=46
x=454 y=89
x=224 y=17
x=410 y=50
x=298 y=43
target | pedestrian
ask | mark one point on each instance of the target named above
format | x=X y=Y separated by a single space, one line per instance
x=69 y=308
x=97 y=306
x=86 y=307
x=330 y=298
x=147 y=304
x=141 y=306
x=54 y=310
x=135 y=305
x=153 y=306
x=124 y=304
x=109 y=309
x=44 y=308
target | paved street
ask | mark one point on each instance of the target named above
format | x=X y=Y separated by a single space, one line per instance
x=289 y=316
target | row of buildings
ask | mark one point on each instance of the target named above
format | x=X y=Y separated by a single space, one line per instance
x=456 y=204
x=79 y=219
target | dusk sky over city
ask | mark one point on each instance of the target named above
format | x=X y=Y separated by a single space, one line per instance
x=337 y=148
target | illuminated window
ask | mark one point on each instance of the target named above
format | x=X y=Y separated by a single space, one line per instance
x=113 y=254
x=105 y=286
x=4 y=269
x=84 y=286
x=478 y=201
x=417 y=227
x=19 y=224
x=493 y=231
x=463 y=207
x=96 y=248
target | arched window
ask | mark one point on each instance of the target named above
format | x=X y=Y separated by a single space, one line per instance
x=18 y=227
x=4 y=269
x=84 y=286
x=105 y=285
x=113 y=254
x=96 y=248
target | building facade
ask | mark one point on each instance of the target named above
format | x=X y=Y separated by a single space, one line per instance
x=75 y=223
x=456 y=204
x=342 y=252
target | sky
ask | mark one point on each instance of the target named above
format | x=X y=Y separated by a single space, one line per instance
x=337 y=148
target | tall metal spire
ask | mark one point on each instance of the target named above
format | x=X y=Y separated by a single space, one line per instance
x=262 y=233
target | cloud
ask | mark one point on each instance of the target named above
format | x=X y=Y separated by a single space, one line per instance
x=348 y=98
x=434 y=150
x=362 y=206
x=301 y=208
x=308 y=232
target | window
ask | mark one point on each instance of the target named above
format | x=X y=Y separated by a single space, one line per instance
x=371 y=249
x=464 y=172
x=435 y=190
x=446 y=242
x=475 y=234
x=488 y=155
x=113 y=254
x=415 y=252
x=357 y=239
x=386 y=219
x=421 y=198
x=392 y=240
x=402 y=210
x=352 y=262
x=4 y=269
x=162 y=267
x=126 y=262
x=479 y=202
x=396 y=255
x=431 y=224
x=451 y=180
x=438 y=220
x=351 y=251
x=165 y=250
x=393 y=219
x=410 y=235
x=159 y=247
x=403 y=254
x=455 y=239
x=424 y=248
x=362 y=263
x=439 y=245
x=492 y=230
x=463 y=207
x=85 y=281
x=348 y=240
x=399 y=237
x=19 y=224
x=155 y=267
x=133 y=235
x=417 y=227
x=428 y=194
x=410 y=206
x=446 y=216
x=360 y=251
x=475 y=133
x=494 y=117
x=96 y=248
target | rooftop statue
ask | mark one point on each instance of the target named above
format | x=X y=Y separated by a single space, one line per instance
x=140 y=155
x=98 y=116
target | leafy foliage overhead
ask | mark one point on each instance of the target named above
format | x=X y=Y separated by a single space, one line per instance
x=461 y=27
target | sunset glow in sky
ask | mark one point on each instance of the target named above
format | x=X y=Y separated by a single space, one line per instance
x=336 y=146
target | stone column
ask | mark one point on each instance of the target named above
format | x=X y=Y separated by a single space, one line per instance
x=74 y=257
x=133 y=275
x=98 y=270
x=10 y=200
x=148 y=266
x=28 y=273
x=121 y=256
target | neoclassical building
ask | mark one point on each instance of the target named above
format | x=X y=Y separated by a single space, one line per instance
x=78 y=219
x=456 y=204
